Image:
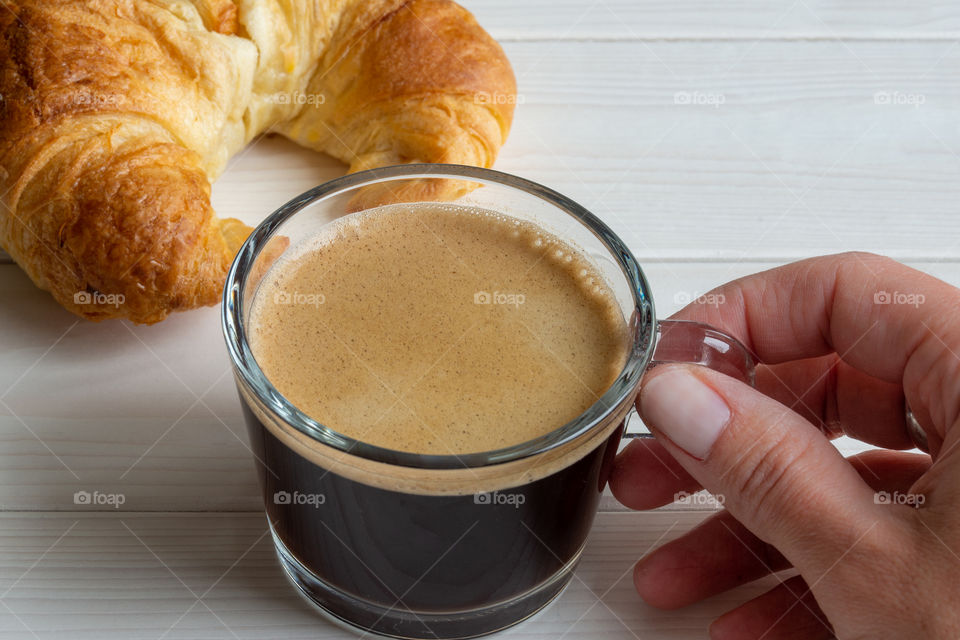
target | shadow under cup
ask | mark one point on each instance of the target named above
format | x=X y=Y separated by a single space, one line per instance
x=431 y=546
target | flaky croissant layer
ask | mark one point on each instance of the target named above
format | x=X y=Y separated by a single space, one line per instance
x=116 y=115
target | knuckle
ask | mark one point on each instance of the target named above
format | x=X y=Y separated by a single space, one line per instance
x=764 y=482
x=851 y=265
x=864 y=256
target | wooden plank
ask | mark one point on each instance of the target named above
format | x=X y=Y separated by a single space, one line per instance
x=747 y=19
x=172 y=575
x=113 y=407
x=801 y=157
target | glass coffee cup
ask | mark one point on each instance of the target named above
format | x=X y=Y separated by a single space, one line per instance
x=414 y=545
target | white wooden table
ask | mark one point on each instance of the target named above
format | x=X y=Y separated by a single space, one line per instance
x=718 y=138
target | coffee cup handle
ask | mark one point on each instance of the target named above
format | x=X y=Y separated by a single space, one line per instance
x=696 y=343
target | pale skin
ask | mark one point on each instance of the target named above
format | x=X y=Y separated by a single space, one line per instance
x=834 y=360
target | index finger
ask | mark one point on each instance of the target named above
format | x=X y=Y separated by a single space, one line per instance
x=874 y=312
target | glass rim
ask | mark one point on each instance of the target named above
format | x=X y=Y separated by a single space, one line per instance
x=248 y=371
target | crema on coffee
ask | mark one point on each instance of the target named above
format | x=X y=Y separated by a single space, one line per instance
x=437 y=329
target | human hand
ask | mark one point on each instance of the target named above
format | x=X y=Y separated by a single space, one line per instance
x=836 y=357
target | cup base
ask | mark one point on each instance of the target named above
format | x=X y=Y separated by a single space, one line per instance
x=399 y=622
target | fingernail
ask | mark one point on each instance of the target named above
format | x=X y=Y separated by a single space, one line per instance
x=678 y=405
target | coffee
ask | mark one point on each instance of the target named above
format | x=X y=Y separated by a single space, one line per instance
x=438 y=329
x=433 y=329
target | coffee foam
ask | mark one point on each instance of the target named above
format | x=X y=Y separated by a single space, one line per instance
x=437 y=329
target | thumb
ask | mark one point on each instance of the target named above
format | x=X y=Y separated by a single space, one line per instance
x=775 y=471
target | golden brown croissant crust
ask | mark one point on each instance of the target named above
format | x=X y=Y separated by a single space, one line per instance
x=116 y=115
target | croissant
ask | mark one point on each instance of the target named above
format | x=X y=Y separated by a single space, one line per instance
x=118 y=114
